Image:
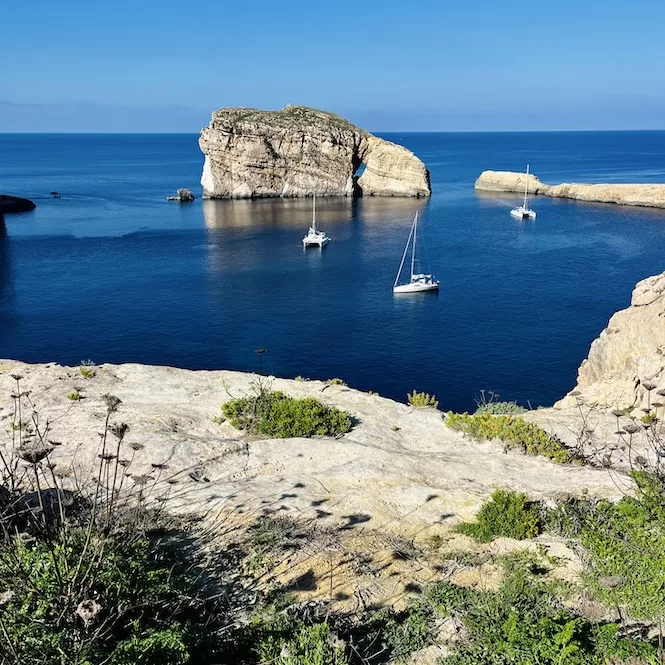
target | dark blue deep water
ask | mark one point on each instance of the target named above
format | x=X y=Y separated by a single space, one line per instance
x=114 y=273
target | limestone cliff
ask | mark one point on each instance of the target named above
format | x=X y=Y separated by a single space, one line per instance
x=627 y=361
x=300 y=151
x=648 y=195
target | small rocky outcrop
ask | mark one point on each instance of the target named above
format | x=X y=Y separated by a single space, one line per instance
x=182 y=195
x=626 y=363
x=300 y=151
x=649 y=195
x=13 y=204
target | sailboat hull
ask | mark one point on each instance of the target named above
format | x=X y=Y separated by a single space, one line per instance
x=416 y=287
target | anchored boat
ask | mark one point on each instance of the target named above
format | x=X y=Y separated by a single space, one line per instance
x=315 y=238
x=523 y=211
x=419 y=281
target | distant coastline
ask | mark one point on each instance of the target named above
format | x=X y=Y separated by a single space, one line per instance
x=649 y=195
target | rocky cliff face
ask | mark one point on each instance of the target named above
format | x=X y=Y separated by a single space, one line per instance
x=626 y=364
x=300 y=151
x=624 y=194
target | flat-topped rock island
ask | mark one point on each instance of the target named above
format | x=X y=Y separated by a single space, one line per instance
x=300 y=151
x=648 y=195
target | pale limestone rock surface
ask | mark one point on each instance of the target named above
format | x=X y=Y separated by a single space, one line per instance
x=628 y=356
x=400 y=469
x=649 y=195
x=300 y=151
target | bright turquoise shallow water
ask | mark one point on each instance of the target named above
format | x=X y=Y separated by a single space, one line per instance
x=113 y=272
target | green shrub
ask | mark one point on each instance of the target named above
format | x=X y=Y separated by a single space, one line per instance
x=514 y=432
x=489 y=403
x=421 y=400
x=87 y=369
x=336 y=382
x=409 y=631
x=524 y=622
x=74 y=396
x=142 y=612
x=500 y=408
x=274 y=414
x=508 y=514
x=624 y=548
x=305 y=645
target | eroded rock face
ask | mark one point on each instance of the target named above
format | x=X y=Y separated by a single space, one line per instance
x=300 y=151
x=652 y=196
x=629 y=355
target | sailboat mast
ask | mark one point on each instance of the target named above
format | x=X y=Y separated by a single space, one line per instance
x=314 y=212
x=406 y=249
x=526 y=187
x=413 y=249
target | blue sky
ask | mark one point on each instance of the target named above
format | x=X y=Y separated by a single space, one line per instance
x=413 y=65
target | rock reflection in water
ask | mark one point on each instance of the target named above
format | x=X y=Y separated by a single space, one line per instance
x=5 y=267
x=330 y=211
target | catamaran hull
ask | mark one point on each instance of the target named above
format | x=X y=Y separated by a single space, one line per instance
x=519 y=213
x=315 y=243
x=416 y=288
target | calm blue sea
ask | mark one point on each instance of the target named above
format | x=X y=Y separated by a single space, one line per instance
x=113 y=273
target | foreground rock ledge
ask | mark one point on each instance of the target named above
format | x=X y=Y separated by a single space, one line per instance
x=652 y=196
x=400 y=470
x=300 y=151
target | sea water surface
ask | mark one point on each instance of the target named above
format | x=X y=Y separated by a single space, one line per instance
x=114 y=273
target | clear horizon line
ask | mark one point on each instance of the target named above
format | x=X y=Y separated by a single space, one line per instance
x=373 y=131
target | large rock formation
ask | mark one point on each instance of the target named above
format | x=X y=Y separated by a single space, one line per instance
x=652 y=196
x=626 y=363
x=12 y=204
x=300 y=151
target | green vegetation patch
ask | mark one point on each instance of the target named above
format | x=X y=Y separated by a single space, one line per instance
x=524 y=621
x=274 y=414
x=513 y=432
x=500 y=408
x=508 y=514
x=421 y=400
x=130 y=603
x=624 y=547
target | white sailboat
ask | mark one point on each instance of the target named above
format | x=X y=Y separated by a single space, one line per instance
x=419 y=281
x=315 y=238
x=523 y=211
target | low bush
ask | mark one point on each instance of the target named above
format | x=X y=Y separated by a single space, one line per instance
x=489 y=403
x=421 y=400
x=300 y=644
x=514 y=432
x=87 y=369
x=508 y=514
x=524 y=621
x=624 y=547
x=274 y=414
x=500 y=408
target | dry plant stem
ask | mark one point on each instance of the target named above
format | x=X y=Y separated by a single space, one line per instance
x=93 y=514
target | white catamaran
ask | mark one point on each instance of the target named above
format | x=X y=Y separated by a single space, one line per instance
x=419 y=281
x=314 y=238
x=523 y=211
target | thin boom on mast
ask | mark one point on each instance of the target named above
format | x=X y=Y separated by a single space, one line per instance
x=526 y=187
